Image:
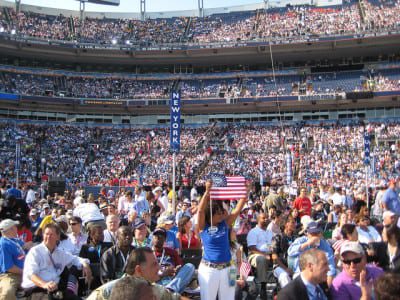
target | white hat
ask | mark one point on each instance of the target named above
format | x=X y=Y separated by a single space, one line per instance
x=157 y=189
x=7 y=224
x=354 y=247
x=388 y=214
x=33 y=212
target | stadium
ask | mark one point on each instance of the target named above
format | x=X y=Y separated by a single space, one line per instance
x=128 y=115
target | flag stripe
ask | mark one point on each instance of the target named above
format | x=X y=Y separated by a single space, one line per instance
x=234 y=189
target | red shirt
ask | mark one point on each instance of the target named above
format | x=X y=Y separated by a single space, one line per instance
x=303 y=204
x=25 y=235
x=168 y=257
x=194 y=241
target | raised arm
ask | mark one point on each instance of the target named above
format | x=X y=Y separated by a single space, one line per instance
x=202 y=206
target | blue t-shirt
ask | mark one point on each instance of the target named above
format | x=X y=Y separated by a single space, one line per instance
x=11 y=253
x=391 y=199
x=216 y=244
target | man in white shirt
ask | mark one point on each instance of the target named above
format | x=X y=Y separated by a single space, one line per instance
x=45 y=263
x=110 y=233
x=89 y=214
x=259 y=242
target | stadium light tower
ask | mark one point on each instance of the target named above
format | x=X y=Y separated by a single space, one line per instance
x=201 y=8
x=143 y=10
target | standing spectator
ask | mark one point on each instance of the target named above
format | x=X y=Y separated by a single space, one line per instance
x=12 y=257
x=214 y=269
x=303 y=203
x=390 y=199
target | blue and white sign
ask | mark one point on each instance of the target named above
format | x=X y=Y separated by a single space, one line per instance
x=367 y=148
x=289 y=174
x=175 y=130
x=17 y=157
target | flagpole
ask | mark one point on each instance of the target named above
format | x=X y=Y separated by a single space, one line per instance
x=173 y=182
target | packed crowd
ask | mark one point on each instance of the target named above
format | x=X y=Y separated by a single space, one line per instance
x=82 y=86
x=316 y=242
x=284 y=23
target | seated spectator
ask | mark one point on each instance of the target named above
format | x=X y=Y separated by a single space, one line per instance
x=187 y=238
x=346 y=284
x=259 y=242
x=314 y=267
x=386 y=287
x=342 y=220
x=45 y=269
x=167 y=222
x=281 y=243
x=173 y=275
x=312 y=239
x=12 y=257
x=140 y=231
x=113 y=261
x=110 y=233
x=348 y=233
x=142 y=266
x=366 y=233
x=76 y=237
x=93 y=251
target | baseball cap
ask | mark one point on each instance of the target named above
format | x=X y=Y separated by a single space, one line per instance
x=157 y=189
x=354 y=247
x=139 y=222
x=165 y=220
x=33 y=212
x=46 y=206
x=187 y=201
x=388 y=214
x=103 y=205
x=158 y=231
x=313 y=227
x=7 y=224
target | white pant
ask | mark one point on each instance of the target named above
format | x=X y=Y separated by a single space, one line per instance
x=213 y=281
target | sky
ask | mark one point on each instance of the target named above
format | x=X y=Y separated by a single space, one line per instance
x=134 y=5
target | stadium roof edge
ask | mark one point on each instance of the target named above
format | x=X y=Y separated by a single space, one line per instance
x=168 y=14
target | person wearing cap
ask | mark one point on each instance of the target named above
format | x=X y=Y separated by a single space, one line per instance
x=184 y=211
x=390 y=199
x=346 y=284
x=140 y=234
x=12 y=257
x=173 y=274
x=309 y=284
x=113 y=261
x=35 y=219
x=93 y=251
x=167 y=222
x=312 y=240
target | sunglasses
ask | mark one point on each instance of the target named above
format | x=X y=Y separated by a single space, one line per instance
x=72 y=224
x=354 y=261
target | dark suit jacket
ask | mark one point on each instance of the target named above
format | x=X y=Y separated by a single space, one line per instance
x=295 y=290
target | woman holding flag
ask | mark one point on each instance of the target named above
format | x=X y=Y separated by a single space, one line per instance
x=216 y=274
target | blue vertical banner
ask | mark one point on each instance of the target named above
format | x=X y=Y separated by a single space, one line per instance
x=367 y=148
x=17 y=156
x=261 y=171
x=289 y=174
x=175 y=123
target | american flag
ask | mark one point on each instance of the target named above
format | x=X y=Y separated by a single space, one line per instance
x=245 y=269
x=228 y=188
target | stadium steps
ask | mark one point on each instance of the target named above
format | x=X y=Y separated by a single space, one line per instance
x=186 y=32
x=7 y=16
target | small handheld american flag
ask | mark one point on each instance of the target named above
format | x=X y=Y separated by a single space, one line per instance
x=227 y=187
x=245 y=269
